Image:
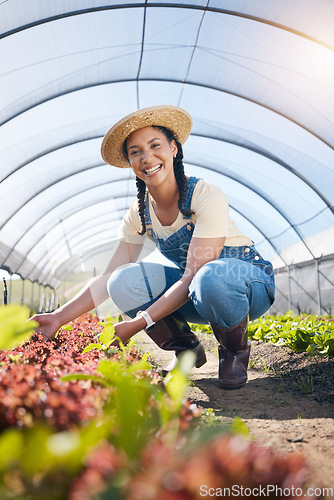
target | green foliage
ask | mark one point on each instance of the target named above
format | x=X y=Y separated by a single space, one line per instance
x=303 y=333
x=305 y=383
x=107 y=337
x=135 y=418
x=176 y=380
x=92 y=346
x=67 y=328
x=239 y=427
x=209 y=418
x=312 y=334
x=140 y=413
x=108 y=334
x=15 y=357
x=14 y=327
x=11 y=446
x=36 y=456
x=137 y=408
x=201 y=328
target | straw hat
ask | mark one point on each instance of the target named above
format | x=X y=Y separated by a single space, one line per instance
x=176 y=119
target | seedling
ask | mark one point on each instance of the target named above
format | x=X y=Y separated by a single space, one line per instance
x=305 y=383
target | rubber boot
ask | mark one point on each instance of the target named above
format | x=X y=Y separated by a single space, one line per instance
x=233 y=350
x=173 y=333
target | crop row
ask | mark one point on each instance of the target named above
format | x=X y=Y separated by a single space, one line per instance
x=81 y=420
x=306 y=333
x=303 y=333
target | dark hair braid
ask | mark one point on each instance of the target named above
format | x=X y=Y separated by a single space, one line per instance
x=180 y=178
x=141 y=192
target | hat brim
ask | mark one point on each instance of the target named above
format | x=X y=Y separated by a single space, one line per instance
x=176 y=119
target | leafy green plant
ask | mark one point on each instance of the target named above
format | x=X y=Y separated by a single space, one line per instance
x=14 y=327
x=303 y=333
x=312 y=334
x=239 y=427
x=137 y=406
x=177 y=379
x=139 y=435
x=305 y=383
x=15 y=357
x=107 y=337
x=37 y=456
x=266 y=366
x=201 y=328
x=209 y=418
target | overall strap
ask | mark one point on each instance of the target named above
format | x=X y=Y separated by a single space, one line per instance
x=148 y=221
x=192 y=181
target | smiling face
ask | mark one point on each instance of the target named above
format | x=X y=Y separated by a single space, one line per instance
x=151 y=155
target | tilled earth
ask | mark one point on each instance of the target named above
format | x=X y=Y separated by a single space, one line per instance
x=288 y=402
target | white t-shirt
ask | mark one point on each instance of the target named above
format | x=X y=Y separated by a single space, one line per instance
x=211 y=219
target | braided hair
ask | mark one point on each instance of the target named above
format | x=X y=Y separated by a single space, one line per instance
x=180 y=178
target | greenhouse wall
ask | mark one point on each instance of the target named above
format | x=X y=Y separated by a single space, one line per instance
x=305 y=288
x=36 y=297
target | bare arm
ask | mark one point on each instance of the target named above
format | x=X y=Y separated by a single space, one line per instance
x=93 y=294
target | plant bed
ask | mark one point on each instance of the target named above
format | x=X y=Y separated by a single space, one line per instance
x=287 y=403
x=81 y=420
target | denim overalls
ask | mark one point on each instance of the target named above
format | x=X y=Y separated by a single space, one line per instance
x=223 y=291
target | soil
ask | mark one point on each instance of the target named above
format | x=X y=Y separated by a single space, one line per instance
x=287 y=403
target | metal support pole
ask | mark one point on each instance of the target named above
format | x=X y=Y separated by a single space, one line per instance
x=5 y=294
x=41 y=304
x=289 y=289
x=22 y=296
x=96 y=309
x=39 y=297
x=10 y=288
x=32 y=298
x=48 y=303
x=318 y=285
x=53 y=300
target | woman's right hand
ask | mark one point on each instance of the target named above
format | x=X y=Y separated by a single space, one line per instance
x=48 y=324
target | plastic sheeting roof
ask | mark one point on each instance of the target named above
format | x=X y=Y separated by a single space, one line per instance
x=257 y=78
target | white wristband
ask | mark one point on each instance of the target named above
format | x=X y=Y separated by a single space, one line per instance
x=147 y=318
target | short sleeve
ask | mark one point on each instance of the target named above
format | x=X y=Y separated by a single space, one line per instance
x=211 y=211
x=130 y=225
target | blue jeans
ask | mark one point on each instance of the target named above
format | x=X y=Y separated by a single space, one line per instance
x=222 y=292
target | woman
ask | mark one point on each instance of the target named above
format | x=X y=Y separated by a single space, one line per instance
x=215 y=275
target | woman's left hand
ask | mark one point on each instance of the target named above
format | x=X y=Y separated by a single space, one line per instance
x=126 y=329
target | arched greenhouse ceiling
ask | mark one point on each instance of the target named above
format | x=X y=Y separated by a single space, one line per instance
x=256 y=76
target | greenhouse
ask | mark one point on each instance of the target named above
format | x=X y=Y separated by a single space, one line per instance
x=257 y=78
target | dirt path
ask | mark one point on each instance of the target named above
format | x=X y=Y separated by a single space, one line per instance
x=288 y=402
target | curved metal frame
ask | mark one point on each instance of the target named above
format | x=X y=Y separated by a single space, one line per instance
x=54 y=183
x=264 y=197
x=166 y=5
x=70 y=215
x=58 y=204
x=168 y=80
x=249 y=148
